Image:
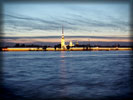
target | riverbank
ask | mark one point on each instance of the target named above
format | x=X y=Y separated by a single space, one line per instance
x=71 y=49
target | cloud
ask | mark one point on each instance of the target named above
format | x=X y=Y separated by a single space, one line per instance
x=30 y=19
x=35 y=40
x=56 y=39
x=113 y=24
x=29 y=24
x=47 y=37
x=78 y=20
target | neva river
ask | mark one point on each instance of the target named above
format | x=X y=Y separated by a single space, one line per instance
x=63 y=75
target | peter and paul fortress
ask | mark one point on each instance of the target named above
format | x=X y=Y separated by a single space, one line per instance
x=64 y=47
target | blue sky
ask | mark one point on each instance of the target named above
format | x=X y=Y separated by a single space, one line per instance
x=79 y=19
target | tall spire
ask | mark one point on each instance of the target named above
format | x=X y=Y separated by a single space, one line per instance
x=62 y=39
x=62 y=32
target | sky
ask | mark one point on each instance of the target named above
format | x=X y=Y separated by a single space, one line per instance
x=37 y=20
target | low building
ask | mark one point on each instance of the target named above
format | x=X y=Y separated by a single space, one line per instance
x=71 y=44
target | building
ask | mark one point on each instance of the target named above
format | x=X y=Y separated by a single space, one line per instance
x=77 y=44
x=71 y=44
x=63 y=46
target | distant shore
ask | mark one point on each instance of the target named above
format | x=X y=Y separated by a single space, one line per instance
x=71 y=49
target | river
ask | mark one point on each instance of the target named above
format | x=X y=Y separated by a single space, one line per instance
x=63 y=75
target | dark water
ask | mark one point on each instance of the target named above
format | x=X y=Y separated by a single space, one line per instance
x=72 y=74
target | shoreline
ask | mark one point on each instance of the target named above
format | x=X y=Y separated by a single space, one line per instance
x=71 y=49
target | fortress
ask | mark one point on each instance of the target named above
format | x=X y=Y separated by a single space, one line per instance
x=64 y=47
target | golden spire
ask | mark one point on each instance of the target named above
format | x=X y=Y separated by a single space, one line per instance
x=62 y=32
x=62 y=39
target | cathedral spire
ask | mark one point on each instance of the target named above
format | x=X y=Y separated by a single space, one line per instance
x=62 y=32
x=62 y=39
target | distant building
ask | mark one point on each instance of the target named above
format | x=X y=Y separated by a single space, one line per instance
x=62 y=40
x=77 y=43
x=71 y=44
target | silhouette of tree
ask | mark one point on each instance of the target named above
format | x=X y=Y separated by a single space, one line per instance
x=86 y=47
x=55 y=47
x=23 y=45
x=83 y=47
x=59 y=45
x=44 y=48
x=68 y=47
x=118 y=45
x=0 y=48
x=17 y=45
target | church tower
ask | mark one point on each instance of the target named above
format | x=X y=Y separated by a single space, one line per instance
x=62 y=39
